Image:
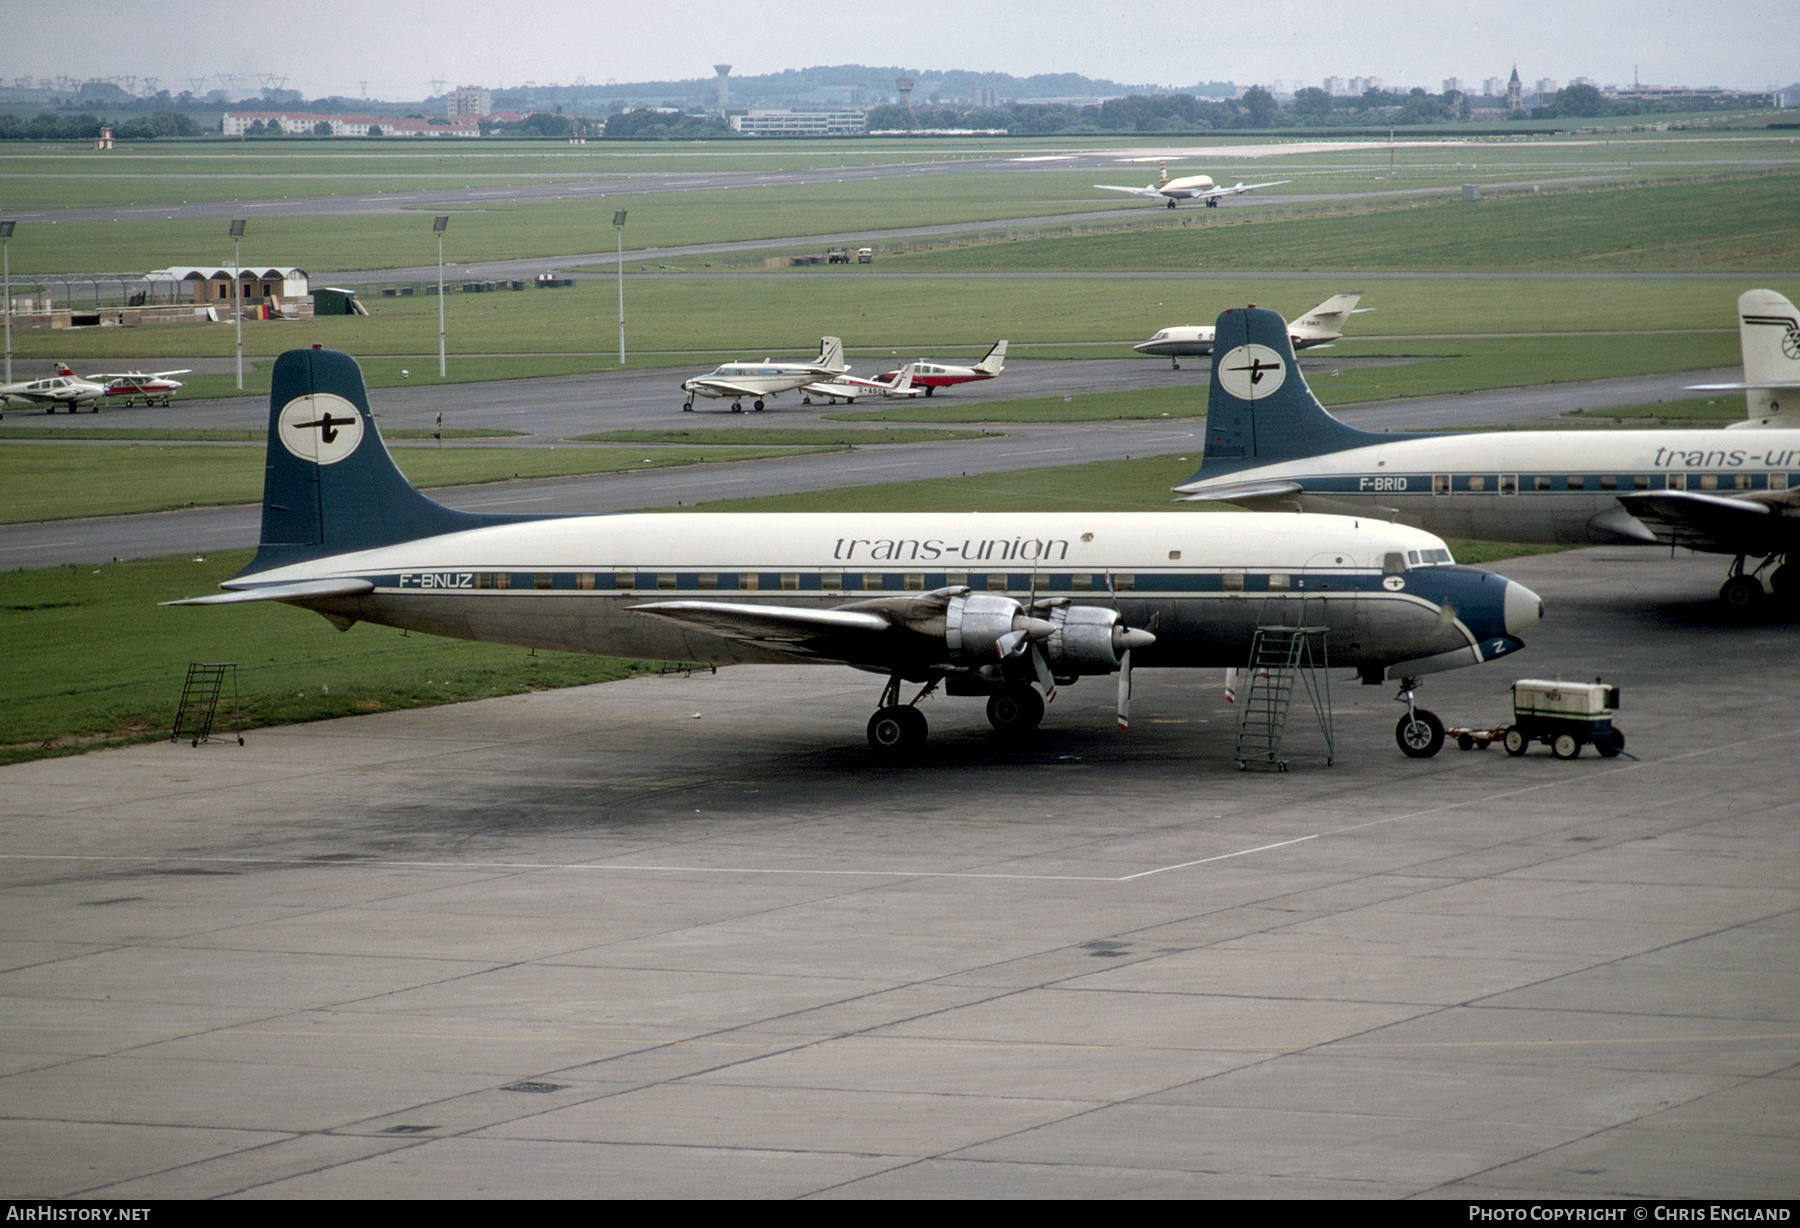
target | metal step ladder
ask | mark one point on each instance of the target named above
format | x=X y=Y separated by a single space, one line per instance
x=1282 y=657
x=200 y=702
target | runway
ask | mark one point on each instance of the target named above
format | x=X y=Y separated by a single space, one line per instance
x=681 y=937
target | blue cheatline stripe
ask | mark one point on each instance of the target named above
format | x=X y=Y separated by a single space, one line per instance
x=1082 y=587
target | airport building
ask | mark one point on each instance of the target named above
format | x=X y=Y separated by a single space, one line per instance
x=799 y=123
x=297 y=123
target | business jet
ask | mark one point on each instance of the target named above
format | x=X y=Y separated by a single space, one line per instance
x=768 y=378
x=1010 y=607
x=1318 y=327
x=931 y=375
x=54 y=390
x=1271 y=445
x=1189 y=187
x=850 y=389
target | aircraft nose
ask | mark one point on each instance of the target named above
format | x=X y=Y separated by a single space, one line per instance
x=1522 y=608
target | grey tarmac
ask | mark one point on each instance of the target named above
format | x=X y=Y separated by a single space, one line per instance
x=679 y=936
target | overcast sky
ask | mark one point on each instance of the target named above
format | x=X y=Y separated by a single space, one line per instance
x=400 y=46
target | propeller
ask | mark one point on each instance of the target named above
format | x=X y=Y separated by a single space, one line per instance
x=1128 y=638
x=1124 y=714
x=1046 y=680
x=1125 y=639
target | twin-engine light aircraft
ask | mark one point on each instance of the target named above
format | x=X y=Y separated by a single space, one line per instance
x=734 y=381
x=1271 y=445
x=979 y=605
x=931 y=375
x=1320 y=326
x=65 y=388
x=1188 y=187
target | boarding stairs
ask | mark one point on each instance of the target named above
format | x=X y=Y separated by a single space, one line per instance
x=199 y=705
x=1283 y=659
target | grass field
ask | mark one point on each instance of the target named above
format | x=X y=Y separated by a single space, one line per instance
x=56 y=483
x=1749 y=223
x=88 y=682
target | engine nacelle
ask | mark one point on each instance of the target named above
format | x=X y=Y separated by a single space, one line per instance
x=983 y=627
x=1089 y=639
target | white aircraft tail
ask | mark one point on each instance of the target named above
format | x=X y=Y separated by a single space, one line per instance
x=1769 y=333
x=902 y=385
x=1326 y=321
x=831 y=354
x=995 y=360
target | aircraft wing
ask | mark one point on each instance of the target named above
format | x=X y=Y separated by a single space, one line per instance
x=1113 y=187
x=724 y=388
x=778 y=625
x=1240 y=189
x=1716 y=523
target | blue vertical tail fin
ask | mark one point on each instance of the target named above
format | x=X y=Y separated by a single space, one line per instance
x=1260 y=410
x=330 y=486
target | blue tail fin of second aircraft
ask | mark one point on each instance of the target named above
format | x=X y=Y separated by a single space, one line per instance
x=330 y=486
x=1260 y=410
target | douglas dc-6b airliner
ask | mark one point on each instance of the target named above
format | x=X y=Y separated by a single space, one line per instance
x=980 y=605
x=1271 y=445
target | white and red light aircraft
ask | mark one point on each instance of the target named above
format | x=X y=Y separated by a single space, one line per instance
x=931 y=375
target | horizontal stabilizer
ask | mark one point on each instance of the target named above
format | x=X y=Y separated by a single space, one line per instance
x=297 y=591
x=1236 y=491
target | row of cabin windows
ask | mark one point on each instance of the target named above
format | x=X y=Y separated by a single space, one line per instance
x=1508 y=483
x=789 y=581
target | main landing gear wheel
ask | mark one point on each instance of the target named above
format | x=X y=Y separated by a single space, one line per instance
x=1784 y=582
x=898 y=731
x=930 y=388
x=1420 y=734
x=1016 y=711
x=1741 y=594
x=737 y=407
x=1514 y=742
x=759 y=407
x=1565 y=746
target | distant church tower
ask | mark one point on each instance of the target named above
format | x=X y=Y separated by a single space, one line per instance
x=1515 y=93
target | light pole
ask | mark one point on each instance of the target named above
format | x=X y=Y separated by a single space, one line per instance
x=237 y=293
x=438 y=226
x=6 y=229
x=619 y=226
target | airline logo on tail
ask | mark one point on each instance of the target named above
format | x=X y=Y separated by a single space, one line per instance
x=1251 y=372
x=320 y=428
x=1790 y=341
